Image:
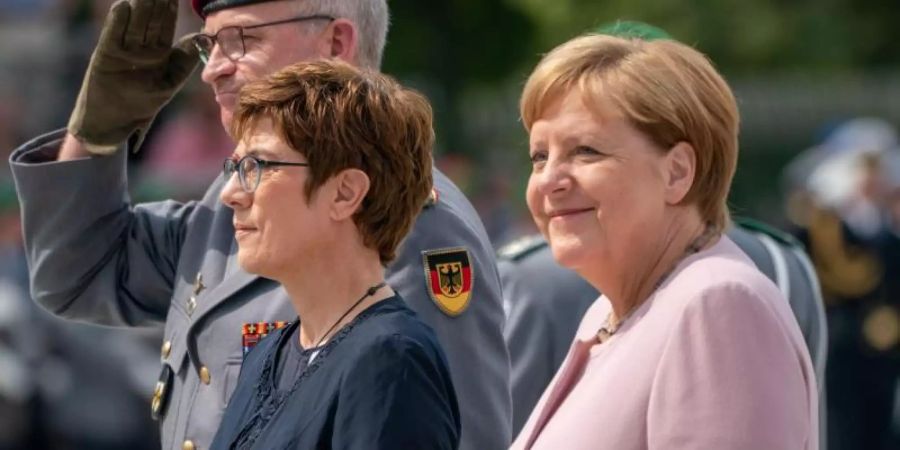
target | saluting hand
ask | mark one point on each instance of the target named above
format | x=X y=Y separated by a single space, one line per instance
x=134 y=71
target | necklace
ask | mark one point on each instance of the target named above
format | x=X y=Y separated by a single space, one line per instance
x=269 y=402
x=369 y=292
x=610 y=327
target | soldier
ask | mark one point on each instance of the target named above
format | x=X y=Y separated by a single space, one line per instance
x=854 y=245
x=96 y=257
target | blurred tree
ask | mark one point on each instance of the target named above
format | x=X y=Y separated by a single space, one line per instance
x=450 y=49
x=744 y=36
x=471 y=57
x=446 y=48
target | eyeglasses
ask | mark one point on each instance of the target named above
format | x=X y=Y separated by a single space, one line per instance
x=249 y=170
x=231 y=39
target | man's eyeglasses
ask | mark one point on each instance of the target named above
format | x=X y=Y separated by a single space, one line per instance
x=231 y=39
x=250 y=168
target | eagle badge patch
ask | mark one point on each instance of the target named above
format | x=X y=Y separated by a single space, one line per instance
x=448 y=278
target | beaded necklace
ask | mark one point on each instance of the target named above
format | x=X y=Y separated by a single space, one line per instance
x=608 y=329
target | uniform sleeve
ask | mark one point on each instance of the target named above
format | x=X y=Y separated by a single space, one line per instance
x=397 y=396
x=545 y=304
x=808 y=306
x=472 y=340
x=731 y=377
x=91 y=254
x=529 y=340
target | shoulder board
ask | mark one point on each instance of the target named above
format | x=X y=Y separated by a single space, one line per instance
x=521 y=247
x=432 y=199
x=761 y=227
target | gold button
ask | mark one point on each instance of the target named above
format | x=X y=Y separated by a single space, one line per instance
x=155 y=404
x=166 y=349
x=188 y=445
x=204 y=375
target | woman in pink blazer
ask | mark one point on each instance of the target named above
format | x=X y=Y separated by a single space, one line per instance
x=634 y=145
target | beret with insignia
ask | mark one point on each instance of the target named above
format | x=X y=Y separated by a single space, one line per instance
x=521 y=247
x=630 y=29
x=205 y=7
x=760 y=227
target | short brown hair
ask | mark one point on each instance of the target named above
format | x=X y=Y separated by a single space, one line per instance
x=665 y=89
x=340 y=117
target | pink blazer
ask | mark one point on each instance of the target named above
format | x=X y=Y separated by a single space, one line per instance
x=714 y=359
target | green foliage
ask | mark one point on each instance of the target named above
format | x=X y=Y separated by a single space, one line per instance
x=458 y=41
x=448 y=47
x=471 y=58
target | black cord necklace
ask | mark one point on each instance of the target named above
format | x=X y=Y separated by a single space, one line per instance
x=369 y=292
x=270 y=402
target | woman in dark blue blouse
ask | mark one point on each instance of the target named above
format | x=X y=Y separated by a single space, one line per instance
x=332 y=167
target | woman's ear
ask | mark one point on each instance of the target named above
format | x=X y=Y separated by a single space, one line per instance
x=351 y=187
x=681 y=166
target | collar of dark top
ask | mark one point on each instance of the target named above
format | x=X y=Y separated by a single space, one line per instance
x=204 y=8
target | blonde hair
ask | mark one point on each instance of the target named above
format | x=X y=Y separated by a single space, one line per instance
x=666 y=90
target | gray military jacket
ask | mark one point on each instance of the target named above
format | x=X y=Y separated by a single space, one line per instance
x=95 y=257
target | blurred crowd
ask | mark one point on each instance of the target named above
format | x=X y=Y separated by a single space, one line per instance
x=67 y=385
x=843 y=198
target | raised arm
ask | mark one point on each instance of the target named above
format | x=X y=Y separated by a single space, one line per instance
x=92 y=255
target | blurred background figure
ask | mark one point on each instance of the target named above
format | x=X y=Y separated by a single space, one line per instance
x=843 y=201
x=66 y=385
x=18 y=390
x=62 y=385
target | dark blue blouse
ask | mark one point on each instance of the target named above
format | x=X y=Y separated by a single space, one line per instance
x=381 y=382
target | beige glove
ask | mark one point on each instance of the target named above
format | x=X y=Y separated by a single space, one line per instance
x=133 y=73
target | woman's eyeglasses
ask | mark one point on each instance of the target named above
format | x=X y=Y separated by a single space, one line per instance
x=250 y=168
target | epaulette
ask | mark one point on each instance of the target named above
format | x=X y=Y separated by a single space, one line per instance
x=432 y=199
x=761 y=227
x=521 y=247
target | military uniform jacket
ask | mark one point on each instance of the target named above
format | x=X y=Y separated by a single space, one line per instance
x=95 y=257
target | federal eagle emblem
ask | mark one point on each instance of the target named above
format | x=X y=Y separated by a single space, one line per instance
x=448 y=275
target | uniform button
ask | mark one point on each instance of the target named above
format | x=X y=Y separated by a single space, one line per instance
x=191 y=305
x=166 y=349
x=156 y=402
x=204 y=375
x=188 y=445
